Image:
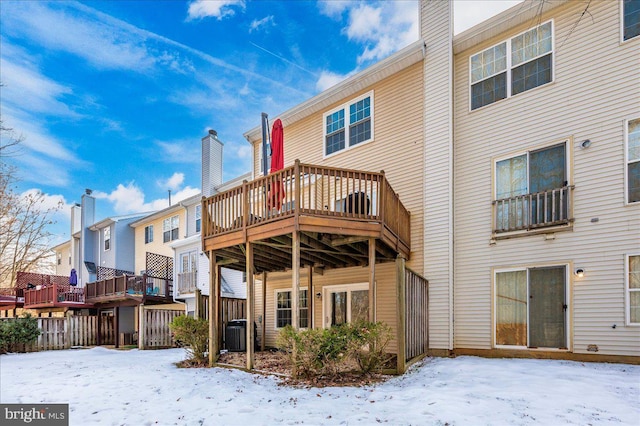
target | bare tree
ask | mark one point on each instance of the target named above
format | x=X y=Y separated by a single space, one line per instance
x=24 y=219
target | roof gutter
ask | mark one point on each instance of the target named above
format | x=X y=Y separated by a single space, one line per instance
x=408 y=56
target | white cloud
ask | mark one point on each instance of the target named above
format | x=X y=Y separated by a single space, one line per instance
x=334 y=8
x=54 y=202
x=382 y=28
x=173 y=183
x=179 y=151
x=90 y=39
x=130 y=198
x=215 y=8
x=263 y=23
x=24 y=87
x=328 y=79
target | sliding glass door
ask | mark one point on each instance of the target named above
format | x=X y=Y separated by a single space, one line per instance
x=531 y=307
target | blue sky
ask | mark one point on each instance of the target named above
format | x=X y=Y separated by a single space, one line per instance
x=116 y=95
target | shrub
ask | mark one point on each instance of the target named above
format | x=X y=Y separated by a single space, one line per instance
x=329 y=351
x=193 y=334
x=15 y=333
x=370 y=339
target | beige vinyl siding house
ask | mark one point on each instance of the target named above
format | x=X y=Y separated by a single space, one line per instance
x=594 y=89
x=513 y=146
x=150 y=233
x=63 y=258
x=396 y=149
x=436 y=22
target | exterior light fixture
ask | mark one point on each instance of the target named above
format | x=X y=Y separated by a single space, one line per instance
x=585 y=144
x=579 y=272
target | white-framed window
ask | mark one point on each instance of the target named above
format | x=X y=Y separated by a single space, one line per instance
x=107 y=238
x=531 y=307
x=632 y=284
x=632 y=160
x=348 y=125
x=513 y=66
x=59 y=258
x=531 y=189
x=630 y=10
x=345 y=303
x=283 y=308
x=198 y=217
x=148 y=234
x=170 y=228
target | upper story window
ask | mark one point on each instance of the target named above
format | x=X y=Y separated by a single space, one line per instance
x=513 y=66
x=148 y=234
x=59 y=258
x=198 y=217
x=633 y=160
x=633 y=288
x=283 y=308
x=531 y=190
x=170 y=227
x=348 y=125
x=630 y=19
x=107 y=238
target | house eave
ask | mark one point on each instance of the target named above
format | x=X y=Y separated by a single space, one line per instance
x=402 y=59
x=524 y=12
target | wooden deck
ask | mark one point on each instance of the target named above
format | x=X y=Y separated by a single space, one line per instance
x=55 y=296
x=336 y=212
x=129 y=290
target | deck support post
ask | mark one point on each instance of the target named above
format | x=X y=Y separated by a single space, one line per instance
x=99 y=327
x=295 y=294
x=250 y=306
x=141 y=326
x=264 y=312
x=213 y=311
x=310 y=297
x=372 y=279
x=117 y=326
x=400 y=309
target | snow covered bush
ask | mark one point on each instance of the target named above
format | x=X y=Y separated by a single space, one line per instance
x=17 y=332
x=335 y=350
x=193 y=334
x=368 y=345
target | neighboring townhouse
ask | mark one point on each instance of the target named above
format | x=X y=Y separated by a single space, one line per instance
x=546 y=193
x=63 y=261
x=499 y=164
x=191 y=265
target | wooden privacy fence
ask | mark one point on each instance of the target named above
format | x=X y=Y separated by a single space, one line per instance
x=64 y=333
x=155 y=328
x=230 y=309
x=417 y=315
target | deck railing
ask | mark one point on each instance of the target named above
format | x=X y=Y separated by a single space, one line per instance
x=309 y=190
x=52 y=294
x=187 y=282
x=532 y=211
x=129 y=285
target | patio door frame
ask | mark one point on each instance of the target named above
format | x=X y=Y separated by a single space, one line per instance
x=567 y=310
x=326 y=299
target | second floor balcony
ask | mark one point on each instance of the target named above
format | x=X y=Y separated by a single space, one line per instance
x=129 y=288
x=187 y=282
x=535 y=211
x=336 y=211
x=55 y=295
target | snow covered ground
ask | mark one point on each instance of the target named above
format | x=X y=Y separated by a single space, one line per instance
x=106 y=386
